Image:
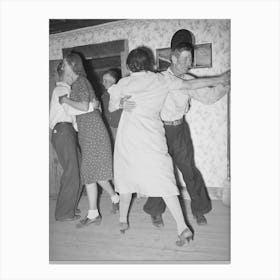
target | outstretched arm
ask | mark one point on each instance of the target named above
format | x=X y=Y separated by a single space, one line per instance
x=223 y=79
x=209 y=95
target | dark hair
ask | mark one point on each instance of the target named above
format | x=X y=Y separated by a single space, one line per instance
x=60 y=70
x=140 y=59
x=115 y=73
x=180 y=36
x=183 y=46
x=76 y=63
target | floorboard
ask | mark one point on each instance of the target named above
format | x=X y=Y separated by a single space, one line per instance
x=143 y=242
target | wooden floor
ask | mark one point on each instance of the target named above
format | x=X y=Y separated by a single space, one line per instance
x=142 y=243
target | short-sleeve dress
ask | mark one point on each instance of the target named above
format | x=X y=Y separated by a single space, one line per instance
x=142 y=163
x=93 y=136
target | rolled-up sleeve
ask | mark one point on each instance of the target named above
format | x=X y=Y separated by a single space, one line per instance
x=115 y=97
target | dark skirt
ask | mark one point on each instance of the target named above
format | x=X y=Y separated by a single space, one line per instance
x=95 y=147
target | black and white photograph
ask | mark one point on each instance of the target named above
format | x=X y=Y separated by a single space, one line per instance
x=139 y=149
x=139 y=140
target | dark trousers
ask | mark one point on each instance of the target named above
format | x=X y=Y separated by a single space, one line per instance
x=180 y=147
x=65 y=143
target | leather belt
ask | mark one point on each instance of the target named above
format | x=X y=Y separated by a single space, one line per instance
x=177 y=122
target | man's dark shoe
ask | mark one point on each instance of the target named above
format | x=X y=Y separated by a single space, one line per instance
x=200 y=219
x=76 y=217
x=157 y=221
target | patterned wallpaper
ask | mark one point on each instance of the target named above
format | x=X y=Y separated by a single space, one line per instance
x=208 y=122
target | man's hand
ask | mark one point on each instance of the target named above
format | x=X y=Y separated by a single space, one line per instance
x=127 y=105
x=225 y=78
x=61 y=99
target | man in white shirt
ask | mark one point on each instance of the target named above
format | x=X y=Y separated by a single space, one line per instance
x=178 y=134
x=65 y=143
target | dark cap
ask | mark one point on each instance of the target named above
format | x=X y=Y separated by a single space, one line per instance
x=182 y=36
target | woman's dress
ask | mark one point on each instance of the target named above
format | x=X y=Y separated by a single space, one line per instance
x=93 y=136
x=141 y=160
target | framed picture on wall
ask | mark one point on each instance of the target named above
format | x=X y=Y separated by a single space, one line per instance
x=163 y=58
x=202 y=57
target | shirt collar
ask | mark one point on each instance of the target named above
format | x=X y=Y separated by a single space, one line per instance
x=63 y=84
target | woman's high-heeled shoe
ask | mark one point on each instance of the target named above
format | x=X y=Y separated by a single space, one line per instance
x=186 y=235
x=123 y=227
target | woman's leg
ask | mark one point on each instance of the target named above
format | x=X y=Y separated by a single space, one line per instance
x=93 y=216
x=92 y=193
x=125 y=200
x=173 y=204
x=109 y=189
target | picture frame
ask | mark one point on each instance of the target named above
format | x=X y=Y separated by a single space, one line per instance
x=202 y=57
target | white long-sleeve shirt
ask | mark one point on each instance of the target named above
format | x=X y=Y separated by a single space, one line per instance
x=64 y=112
x=57 y=111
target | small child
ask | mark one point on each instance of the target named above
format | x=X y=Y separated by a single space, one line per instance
x=109 y=78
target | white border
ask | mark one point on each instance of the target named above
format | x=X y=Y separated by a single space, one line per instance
x=255 y=138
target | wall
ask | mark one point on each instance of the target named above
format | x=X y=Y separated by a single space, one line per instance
x=208 y=122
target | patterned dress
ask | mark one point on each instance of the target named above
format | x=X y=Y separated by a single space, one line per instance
x=93 y=137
